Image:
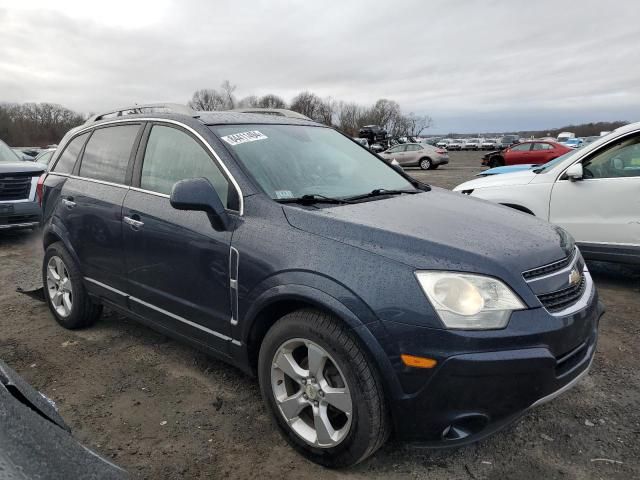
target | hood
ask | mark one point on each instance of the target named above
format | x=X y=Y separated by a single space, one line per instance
x=507 y=169
x=520 y=177
x=440 y=230
x=21 y=167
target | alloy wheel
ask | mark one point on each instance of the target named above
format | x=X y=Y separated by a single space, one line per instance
x=59 y=286
x=311 y=393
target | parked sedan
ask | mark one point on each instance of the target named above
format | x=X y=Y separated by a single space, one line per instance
x=573 y=142
x=593 y=192
x=420 y=155
x=526 y=153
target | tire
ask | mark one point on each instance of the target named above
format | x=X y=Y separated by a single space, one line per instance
x=72 y=308
x=354 y=437
x=425 y=164
x=496 y=161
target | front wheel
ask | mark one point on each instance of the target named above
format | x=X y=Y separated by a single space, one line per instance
x=496 y=161
x=425 y=164
x=319 y=388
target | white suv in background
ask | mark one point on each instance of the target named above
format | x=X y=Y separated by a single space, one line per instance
x=594 y=193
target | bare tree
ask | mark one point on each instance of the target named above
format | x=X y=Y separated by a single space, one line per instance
x=271 y=101
x=36 y=124
x=208 y=99
x=306 y=103
x=249 y=102
x=416 y=124
x=228 y=90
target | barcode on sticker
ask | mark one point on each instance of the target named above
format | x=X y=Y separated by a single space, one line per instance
x=244 y=137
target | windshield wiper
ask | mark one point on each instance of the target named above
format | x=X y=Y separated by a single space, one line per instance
x=311 y=198
x=379 y=192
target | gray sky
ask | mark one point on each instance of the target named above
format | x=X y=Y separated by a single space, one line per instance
x=471 y=65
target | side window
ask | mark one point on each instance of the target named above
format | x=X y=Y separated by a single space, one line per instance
x=523 y=147
x=620 y=160
x=172 y=155
x=413 y=148
x=67 y=160
x=542 y=146
x=107 y=153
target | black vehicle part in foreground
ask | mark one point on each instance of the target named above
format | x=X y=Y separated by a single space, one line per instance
x=36 y=443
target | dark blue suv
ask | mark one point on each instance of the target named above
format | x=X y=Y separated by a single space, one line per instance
x=367 y=303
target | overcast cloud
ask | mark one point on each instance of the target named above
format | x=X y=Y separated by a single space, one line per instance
x=472 y=66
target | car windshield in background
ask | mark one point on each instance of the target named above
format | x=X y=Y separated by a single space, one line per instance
x=6 y=154
x=290 y=161
x=549 y=165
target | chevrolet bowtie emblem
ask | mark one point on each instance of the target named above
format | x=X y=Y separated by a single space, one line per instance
x=574 y=277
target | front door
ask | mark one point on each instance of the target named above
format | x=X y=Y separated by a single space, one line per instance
x=518 y=154
x=603 y=209
x=177 y=264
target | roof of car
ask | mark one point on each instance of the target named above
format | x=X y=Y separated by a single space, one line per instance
x=228 y=118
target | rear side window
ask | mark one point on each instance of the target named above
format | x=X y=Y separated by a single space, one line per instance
x=172 y=155
x=67 y=160
x=107 y=153
x=542 y=146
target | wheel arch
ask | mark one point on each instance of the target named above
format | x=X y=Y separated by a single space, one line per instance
x=276 y=302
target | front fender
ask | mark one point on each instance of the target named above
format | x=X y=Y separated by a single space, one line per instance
x=339 y=301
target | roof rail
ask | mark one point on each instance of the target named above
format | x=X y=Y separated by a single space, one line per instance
x=144 y=108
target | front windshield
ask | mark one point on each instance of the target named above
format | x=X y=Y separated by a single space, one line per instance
x=289 y=161
x=6 y=154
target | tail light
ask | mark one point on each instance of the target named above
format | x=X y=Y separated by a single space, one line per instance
x=40 y=188
x=441 y=151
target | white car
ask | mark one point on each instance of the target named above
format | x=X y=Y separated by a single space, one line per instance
x=444 y=143
x=594 y=193
x=472 y=144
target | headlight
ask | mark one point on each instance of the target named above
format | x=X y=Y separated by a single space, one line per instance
x=469 y=302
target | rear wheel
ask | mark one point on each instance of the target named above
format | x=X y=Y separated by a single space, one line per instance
x=64 y=290
x=425 y=164
x=320 y=390
x=496 y=161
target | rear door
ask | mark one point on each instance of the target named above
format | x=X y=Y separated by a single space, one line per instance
x=412 y=154
x=92 y=204
x=177 y=264
x=603 y=209
x=518 y=154
x=542 y=152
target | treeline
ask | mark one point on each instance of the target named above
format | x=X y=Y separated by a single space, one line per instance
x=582 y=130
x=36 y=124
x=347 y=116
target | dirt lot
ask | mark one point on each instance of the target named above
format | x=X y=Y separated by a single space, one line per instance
x=117 y=384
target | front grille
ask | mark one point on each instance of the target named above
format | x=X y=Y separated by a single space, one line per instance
x=561 y=299
x=14 y=188
x=549 y=268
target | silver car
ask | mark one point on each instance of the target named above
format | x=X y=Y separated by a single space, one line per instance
x=422 y=155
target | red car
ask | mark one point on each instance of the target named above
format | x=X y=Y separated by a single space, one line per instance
x=531 y=152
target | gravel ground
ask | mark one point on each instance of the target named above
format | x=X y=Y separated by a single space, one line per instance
x=163 y=410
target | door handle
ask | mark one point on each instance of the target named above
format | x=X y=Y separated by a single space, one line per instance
x=135 y=224
x=68 y=202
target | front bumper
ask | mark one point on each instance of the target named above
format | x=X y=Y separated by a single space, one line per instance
x=15 y=215
x=491 y=379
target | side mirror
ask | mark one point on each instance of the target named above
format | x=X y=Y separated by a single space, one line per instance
x=197 y=194
x=574 y=172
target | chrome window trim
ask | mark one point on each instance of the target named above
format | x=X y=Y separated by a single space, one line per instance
x=150 y=192
x=219 y=161
x=165 y=312
x=18 y=225
x=92 y=180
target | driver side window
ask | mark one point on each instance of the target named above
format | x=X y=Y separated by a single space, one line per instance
x=620 y=160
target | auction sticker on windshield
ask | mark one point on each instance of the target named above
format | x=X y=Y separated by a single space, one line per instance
x=244 y=137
